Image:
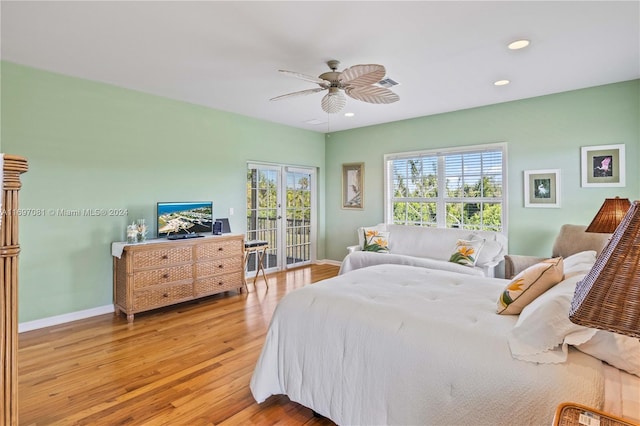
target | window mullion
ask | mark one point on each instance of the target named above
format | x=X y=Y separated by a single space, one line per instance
x=441 y=207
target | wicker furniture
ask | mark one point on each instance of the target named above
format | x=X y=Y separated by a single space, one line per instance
x=13 y=166
x=162 y=272
x=571 y=414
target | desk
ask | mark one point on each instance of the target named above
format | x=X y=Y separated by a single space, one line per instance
x=260 y=250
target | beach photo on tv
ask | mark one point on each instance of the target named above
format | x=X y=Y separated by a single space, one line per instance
x=184 y=218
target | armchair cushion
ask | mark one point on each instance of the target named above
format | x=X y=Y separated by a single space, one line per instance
x=571 y=239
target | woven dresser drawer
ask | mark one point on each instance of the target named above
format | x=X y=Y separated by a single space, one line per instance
x=162 y=296
x=219 y=249
x=153 y=277
x=218 y=284
x=218 y=266
x=161 y=257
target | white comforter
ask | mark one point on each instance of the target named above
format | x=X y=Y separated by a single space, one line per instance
x=402 y=345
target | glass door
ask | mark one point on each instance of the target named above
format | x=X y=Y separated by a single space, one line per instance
x=280 y=211
x=298 y=235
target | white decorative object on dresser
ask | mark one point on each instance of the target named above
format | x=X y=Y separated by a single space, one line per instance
x=161 y=272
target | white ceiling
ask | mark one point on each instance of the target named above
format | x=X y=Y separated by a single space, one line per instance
x=225 y=55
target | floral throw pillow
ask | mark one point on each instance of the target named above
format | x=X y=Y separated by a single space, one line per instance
x=376 y=241
x=466 y=252
x=529 y=284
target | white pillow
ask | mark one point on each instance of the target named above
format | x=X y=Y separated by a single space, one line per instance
x=579 y=263
x=621 y=351
x=490 y=250
x=544 y=330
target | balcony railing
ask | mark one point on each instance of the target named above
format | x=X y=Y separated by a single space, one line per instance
x=298 y=244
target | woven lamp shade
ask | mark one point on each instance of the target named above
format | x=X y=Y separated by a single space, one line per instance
x=609 y=216
x=608 y=297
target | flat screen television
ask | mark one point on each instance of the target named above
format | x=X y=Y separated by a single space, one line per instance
x=185 y=218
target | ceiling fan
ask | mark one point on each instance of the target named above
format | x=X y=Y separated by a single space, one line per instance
x=358 y=82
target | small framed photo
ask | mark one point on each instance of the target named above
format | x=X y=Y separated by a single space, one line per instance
x=352 y=186
x=603 y=165
x=542 y=188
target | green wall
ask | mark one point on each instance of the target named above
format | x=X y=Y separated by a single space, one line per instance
x=541 y=133
x=96 y=146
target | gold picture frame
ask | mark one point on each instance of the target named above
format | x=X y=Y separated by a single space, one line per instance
x=353 y=186
x=603 y=165
x=542 y=188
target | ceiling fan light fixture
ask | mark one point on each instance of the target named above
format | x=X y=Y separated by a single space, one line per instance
x=519 y=44
x=501 y=82
x=349 y=114
x=361 y=82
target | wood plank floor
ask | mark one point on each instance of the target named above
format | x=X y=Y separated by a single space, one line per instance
x=188 y=364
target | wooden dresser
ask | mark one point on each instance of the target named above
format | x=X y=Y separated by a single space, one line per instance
x=162 y=272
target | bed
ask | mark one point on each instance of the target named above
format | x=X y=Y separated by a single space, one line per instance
x=403 y=345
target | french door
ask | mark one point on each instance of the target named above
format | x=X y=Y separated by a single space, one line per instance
x=281 y=210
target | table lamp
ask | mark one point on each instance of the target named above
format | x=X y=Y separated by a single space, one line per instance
x=609 y=216
x=608 y=297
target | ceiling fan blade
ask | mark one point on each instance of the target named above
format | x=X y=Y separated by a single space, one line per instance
x=333 y=102
x=300 y=93
x=362 y=75
x=305 y=77
x=372 y=94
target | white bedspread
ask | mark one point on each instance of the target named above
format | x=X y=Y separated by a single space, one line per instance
x=403 y=345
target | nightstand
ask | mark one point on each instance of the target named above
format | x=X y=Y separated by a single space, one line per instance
x=571 y=414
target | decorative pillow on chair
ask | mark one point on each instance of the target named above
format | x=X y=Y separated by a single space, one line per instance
x=376 y=241
x=529 y=284
x=466 y=252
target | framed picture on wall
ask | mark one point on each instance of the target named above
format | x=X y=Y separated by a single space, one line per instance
x=542 y=188
x=352 y=186
x=603 y=165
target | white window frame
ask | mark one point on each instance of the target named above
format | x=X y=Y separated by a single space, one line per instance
x=441 y=199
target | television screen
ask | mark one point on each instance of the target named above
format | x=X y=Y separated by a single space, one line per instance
x=185 y=218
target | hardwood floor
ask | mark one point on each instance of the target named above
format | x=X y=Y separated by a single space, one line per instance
x=188 y=364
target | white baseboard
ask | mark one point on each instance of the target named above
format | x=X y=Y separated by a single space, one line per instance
x=328 y=262
x=61 y=319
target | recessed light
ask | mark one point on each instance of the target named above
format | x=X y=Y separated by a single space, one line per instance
x=349 y=114
x=518 y=44
x=501 y=82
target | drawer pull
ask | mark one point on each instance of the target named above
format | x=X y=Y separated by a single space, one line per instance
x=220 y=283
x=220 y=266
x=220 y=248
x=165 y=276
x=165 y=295
x=165 y=256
